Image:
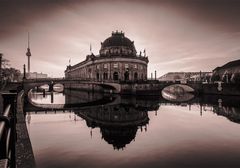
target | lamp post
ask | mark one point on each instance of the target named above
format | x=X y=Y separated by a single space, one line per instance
x=155 y=75
x=24 y=72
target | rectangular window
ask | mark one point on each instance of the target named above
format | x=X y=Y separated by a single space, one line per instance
x=105 y=66
x=135 y=66
x=115 y=65
x=98 y=66
x=126 y=66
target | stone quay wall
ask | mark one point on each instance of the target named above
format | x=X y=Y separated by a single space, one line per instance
x=133 y=89
x=24 y=152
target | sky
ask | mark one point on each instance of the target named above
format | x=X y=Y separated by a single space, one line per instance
x=178 y=35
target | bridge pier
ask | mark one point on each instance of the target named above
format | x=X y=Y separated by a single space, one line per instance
x=51 y=87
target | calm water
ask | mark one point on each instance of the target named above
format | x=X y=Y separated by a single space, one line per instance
x=134 y=132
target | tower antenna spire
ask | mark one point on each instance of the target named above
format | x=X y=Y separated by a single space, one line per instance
x=28 y=40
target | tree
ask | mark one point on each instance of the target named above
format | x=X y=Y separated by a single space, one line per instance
x=5 y=63
x=8 y=73
x=236 y=77
x=216 y=77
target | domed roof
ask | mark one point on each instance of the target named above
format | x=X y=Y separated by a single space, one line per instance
x=118 y=39
x=119 y=137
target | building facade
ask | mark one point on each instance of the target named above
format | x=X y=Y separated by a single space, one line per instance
x=117 y=61
x=184 y=77
x=229 y=73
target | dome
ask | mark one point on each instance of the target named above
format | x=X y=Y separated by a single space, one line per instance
x=118 y=39
x=117 y=44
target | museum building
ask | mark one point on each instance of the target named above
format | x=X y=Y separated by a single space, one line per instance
x=117 y=61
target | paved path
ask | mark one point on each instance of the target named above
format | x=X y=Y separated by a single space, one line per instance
x=24 y=153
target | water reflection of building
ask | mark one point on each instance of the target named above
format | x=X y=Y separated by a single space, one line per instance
x=118 y=123
x=231 y=113
x=117 y=61
x=226 y=106
x=78 y=96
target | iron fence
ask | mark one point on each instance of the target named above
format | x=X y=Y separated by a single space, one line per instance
x=8 y=137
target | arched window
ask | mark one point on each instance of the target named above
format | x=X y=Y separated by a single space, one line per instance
x=98 y=76
x=105 y=76
x=115 y=76
x=126 y=76
x=135 y=76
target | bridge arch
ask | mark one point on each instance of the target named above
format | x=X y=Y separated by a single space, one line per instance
x=179 y=87
x=30 y=84
x=177 y=93
x=113 y=87
x=58 y=87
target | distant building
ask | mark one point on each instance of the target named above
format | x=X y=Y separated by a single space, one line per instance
x=36 y=75
x=230 y=72
x=117 y=61
x=173 y=76
x=185 y=76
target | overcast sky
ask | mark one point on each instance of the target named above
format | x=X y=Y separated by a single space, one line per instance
x=179 y=35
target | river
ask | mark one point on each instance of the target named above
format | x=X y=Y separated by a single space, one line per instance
x=99 y=130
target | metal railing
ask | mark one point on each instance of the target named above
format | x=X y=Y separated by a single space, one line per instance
x=8 y=137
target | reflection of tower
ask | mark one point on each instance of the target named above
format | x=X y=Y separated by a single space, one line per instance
x=28 y=54
x=29 y=121
x=28 y=118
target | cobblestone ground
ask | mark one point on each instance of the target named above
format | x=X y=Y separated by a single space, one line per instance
x=24 y=153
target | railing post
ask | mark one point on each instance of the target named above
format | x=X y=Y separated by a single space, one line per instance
x=14 y=134
x=8 y=98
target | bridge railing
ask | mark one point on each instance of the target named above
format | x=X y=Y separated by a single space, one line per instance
x=43 y=79
x=8 y=137
x=88 y=80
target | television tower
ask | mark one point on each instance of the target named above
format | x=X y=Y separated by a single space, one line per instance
x=28 y=54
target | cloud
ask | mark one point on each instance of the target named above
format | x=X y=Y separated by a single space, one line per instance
x=174 y=33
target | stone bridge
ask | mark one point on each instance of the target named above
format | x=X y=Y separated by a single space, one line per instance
x=31 y=83
x=134 y=88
